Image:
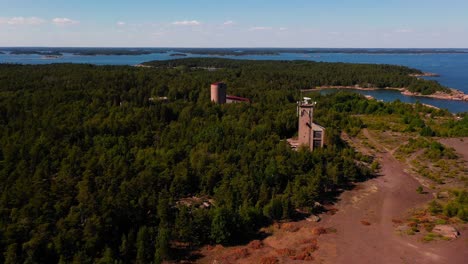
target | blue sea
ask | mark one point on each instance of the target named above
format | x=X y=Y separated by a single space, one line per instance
x=452 y=67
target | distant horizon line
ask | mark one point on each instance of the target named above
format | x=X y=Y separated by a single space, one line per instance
x=188 y=47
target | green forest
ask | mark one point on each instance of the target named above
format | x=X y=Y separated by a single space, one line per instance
x=306 y=74
x=93 y=167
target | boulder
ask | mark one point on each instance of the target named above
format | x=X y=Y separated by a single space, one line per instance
x=313 y=218
x=443 y=195
x=403 y=228
x=446 y=231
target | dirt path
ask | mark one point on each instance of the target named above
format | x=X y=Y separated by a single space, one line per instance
x=364 y=224
x=380 y=202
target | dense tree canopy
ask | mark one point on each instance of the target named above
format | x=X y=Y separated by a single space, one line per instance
x=91 y=170
x=307 y=74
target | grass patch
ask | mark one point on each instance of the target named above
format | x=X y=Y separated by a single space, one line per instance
x=430 y=237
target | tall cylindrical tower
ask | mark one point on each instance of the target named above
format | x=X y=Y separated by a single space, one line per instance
x=218 y=93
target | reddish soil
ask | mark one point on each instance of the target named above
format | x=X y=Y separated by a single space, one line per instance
x=381 y=202
x=361 y=230
x=459 y=144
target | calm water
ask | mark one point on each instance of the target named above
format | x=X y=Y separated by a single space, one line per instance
x=453 y=68
x=389 y=96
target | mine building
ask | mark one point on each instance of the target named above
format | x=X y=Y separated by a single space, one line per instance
x=310 y=134
x=236 y=99
x=218 y=92
x=219 y=96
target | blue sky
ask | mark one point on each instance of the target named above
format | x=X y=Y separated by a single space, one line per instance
x=241 y=23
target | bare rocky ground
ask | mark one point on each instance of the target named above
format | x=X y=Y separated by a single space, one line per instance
x=361 y=227
x=459 y=144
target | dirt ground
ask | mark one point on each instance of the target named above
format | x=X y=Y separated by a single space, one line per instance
x=459 y=144
x=363 y=229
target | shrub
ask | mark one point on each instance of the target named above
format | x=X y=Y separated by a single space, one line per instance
x=420 y=190
x=435 y=207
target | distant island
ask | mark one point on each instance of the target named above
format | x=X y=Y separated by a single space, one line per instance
x=47 y=57
x=82 y=51
x=346 y=76
x=222 y=51
x=178 y=55
x=34 y=52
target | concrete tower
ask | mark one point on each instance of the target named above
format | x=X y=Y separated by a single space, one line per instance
x=218 y=92
x=305 y=111
x=310 y=134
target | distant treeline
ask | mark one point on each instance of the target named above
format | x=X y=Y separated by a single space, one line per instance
x=92 y=170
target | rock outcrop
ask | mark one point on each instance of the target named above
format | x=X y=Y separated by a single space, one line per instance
x=446 y=231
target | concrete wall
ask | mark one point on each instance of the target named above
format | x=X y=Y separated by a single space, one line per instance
x=305 y=125
x=318 y=136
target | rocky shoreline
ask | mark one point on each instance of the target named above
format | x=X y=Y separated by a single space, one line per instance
x=454 y=95
x=425 y=74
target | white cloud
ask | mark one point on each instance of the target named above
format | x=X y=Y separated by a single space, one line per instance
x=187 y=23
x=229 y=22
x=259 y=28
x=283 y=28
x=63 y=21
x=404 y=30
x=121 y=23
x=22 y=21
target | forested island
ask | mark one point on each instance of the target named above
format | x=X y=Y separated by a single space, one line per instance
x=34 y=52
x=81 y=51
x=93 y=171
x=112 y=51
x=308 y=75
x=178 y=55
x=221 y=51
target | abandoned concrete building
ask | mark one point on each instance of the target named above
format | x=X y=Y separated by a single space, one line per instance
x=310 y=134
x=219 y=96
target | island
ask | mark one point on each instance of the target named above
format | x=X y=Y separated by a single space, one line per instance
x=178 y=55
x=36 y=52
x=47 y=57
x=222 y=51
x=347 y=76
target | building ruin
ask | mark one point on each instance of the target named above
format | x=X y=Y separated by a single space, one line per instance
x=219 y=96
x=310 y=134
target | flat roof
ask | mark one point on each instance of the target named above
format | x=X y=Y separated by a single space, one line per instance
x=237 y=98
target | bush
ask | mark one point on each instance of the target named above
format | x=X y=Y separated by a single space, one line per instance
x=427 y=132
x=420 y=190
x=435 y=207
